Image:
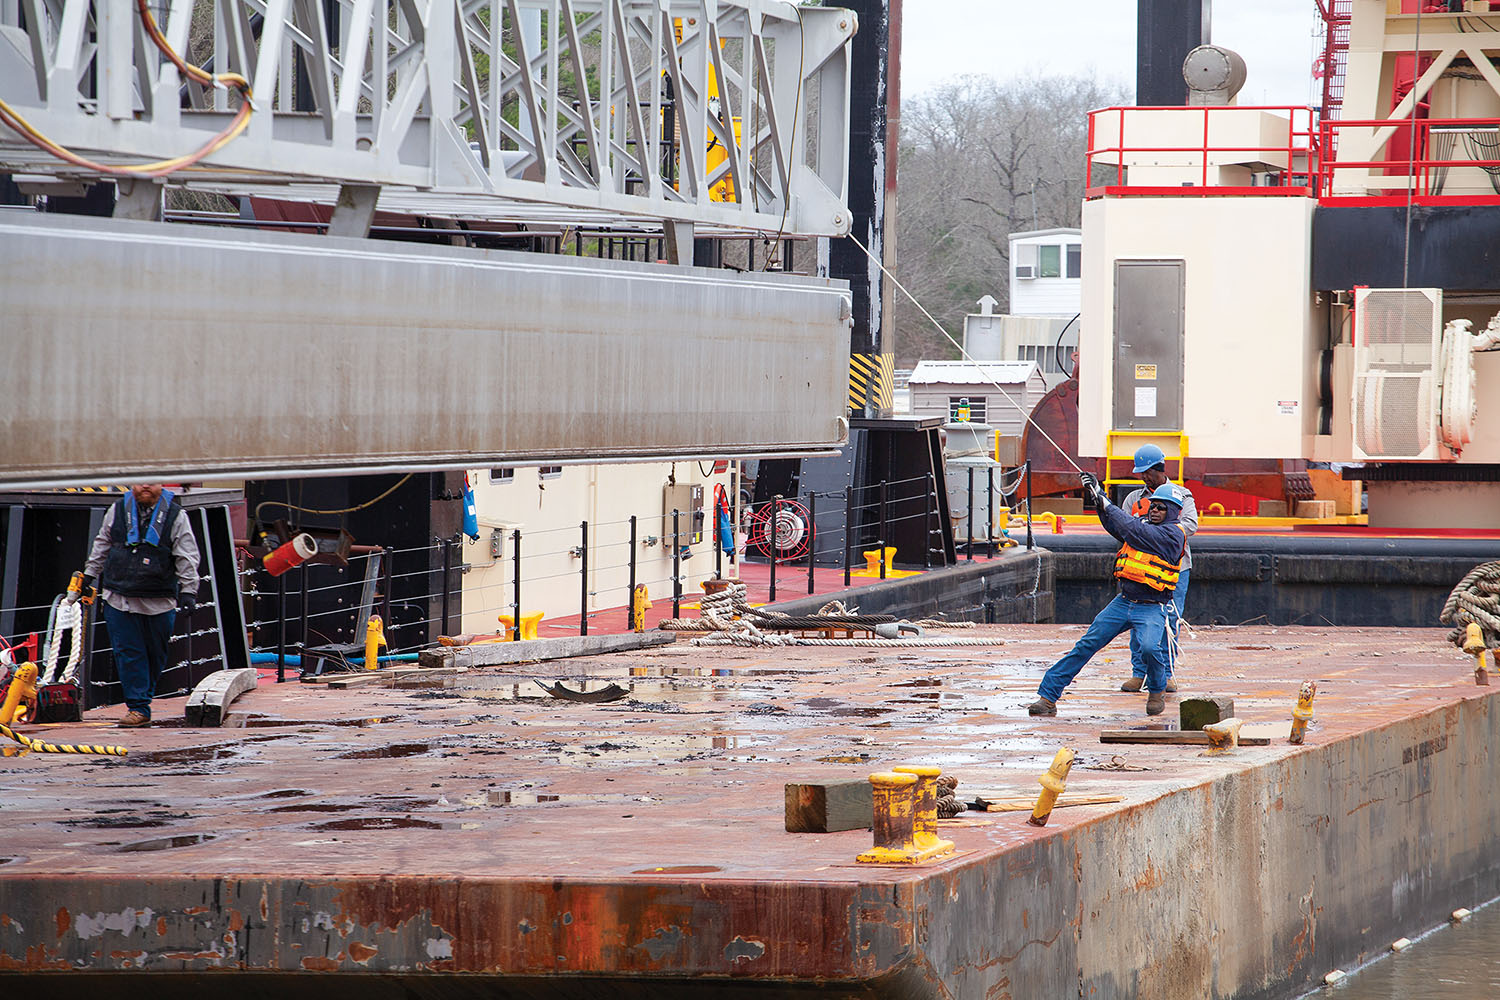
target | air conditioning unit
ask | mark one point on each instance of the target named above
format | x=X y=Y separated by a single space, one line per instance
x=1025 y=271
x=1397 y=336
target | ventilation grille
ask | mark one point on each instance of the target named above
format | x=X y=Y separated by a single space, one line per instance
x=1395 y=372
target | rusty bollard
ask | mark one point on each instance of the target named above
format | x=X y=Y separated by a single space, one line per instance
x=1223 y=737
x=1303 y=712
x=1052 y=782
x=895 y=819
x=1474 y=646
x=925 y=813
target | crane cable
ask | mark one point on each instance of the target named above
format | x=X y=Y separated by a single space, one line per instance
x=156 y=168
x=984 y=373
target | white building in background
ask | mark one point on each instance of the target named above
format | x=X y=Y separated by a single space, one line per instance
x=1000 y=394
x=1046 y=266
x=549 y=505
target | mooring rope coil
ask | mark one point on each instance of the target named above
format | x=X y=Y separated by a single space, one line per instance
x=66 y=618
x=759 y=627
x=1475 y=599
x=41 y=746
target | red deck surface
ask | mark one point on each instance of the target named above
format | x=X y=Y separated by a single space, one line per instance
x=686 y=771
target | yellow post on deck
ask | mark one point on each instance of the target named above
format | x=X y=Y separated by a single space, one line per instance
x=374 y=639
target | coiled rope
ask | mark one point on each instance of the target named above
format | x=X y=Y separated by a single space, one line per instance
x=66 y=618
x=1476 y=599
x=759 y=627
x=41 y=746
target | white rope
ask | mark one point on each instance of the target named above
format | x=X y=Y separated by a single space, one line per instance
x=69 y=618
x=943 y=623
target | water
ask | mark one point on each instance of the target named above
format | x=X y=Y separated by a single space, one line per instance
x=1457 y=962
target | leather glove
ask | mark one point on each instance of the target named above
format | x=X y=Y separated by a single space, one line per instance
x=1093 y=489
x=73 y=597
x=187 y=603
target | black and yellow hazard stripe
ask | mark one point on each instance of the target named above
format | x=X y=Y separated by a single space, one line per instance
x=872 y=380
x=94 y=489
x=41 y=746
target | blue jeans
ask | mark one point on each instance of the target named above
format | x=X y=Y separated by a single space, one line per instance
x=1169 y=637
x=140 y=647
x=1146 y=622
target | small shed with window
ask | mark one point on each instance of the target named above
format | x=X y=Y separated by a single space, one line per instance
x=943 y=388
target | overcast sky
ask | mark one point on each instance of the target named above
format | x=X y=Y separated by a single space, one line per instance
x=942 y=39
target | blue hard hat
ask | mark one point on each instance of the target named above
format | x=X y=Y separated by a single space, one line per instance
x=1166 y=493
x=1148 y=455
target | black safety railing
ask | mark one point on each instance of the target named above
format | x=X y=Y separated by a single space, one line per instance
x=501 y=584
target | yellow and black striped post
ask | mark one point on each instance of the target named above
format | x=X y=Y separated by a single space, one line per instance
x=872 y=379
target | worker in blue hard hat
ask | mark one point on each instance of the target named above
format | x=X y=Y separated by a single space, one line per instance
x=1146 y=567
x=1151 y=467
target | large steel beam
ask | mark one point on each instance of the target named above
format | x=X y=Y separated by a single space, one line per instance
x=142 y=348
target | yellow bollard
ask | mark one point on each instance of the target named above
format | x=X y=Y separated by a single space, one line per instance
x=1474 y=646
x=640 y=600
x=21 y=695
x=374 y=639
x=925 y=815
x=529 y=624
x=895 y=820
x=1052 y=782
x=1303 y=712
x=872 y=560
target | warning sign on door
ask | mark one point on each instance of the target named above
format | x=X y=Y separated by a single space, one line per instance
x=1145 y=373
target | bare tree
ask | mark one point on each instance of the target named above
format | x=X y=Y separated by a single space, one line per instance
x=982 y=158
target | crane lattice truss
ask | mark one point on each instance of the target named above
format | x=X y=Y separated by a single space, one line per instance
x=499 y=109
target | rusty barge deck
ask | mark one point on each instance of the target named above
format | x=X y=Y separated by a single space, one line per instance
x=484 y=839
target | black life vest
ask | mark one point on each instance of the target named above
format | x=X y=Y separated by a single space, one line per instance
x=140 y=563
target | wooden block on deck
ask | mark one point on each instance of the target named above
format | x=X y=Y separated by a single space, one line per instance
x=1315 y=508
x=1173 y=737
x=528 y=650
x=1271 y=508
x=828 y=806
x=1204 y=710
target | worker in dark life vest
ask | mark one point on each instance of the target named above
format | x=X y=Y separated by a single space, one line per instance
x=1151 y=467
x=146 y=561
x=1146 y=567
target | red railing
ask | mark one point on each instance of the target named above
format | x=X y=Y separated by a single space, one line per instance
x=1298 y=152
x=1306 y=156
x=1432 y=148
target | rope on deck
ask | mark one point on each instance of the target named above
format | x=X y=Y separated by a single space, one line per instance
x=1476 y=599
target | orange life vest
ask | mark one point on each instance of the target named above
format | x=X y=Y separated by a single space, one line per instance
x=1143 y=567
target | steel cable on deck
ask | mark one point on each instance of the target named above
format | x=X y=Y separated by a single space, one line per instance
x=1475 y=599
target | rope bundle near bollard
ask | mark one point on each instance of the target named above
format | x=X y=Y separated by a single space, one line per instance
x=67 y=618
x=41 y=746
x=1475 y=599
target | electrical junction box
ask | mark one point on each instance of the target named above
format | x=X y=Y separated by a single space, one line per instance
x=494 y=537
x=687 y=500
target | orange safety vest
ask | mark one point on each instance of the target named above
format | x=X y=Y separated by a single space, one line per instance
x=1143 y=567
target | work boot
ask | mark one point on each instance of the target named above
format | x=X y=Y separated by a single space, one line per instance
x=1042 y=707
x=133 y=720
x=1171 y=686
x=1133 y=684
x=1156 y=703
